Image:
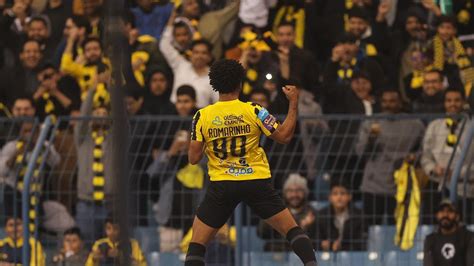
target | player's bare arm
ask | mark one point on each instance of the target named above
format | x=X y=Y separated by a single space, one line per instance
x=284 y=133
x=195 y=152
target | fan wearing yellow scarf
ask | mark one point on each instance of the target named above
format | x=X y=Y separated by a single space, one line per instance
x=84 y=68
x=145 y=53
x=56 y=95
x=449 y=55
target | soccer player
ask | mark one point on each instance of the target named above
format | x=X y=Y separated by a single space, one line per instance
x=228 y=132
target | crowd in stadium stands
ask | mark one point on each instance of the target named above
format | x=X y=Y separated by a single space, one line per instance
x=361 y=57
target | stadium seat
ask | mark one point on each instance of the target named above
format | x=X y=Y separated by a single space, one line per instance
x=422 y=232
x=266 y=259
x=165 y=259
x=381 y=238
x=395 y=258
x=319 y=205
x=250 y=239
x=148 y=238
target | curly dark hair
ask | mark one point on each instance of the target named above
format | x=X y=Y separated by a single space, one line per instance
x=226 y=75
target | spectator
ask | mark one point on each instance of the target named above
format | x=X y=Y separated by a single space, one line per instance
x=92 y=10
x=84 y=71
x=13 y=161
x=295 y=195
x=358 y=99
x=452 y=244
x=58 y=12
x=151 y=18
x=56 y=95
x=145 y=53
x=254 y=57
x=11 y=247
x=340 y=227
x=23 y=107
x=190 y=72
x=260 y=97
x=431 y=98
x=344 y=63
x=438 y=147
x=177 y=198
x=39 y=29
x=14 y=23
x=182 y=38
x=93 y=168
x=158 y=90
x=78 y=25
x=449 y=55
x=205 y=25
x=72 y=252
x=295 y=65
x=134 y=101
x=413 y=37
x=413 y=82
x=255 y=12
x=22 y=80
x=372 y=40
x=109 y=250
x=381 y=145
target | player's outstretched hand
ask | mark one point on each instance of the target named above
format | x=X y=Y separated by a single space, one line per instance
x=291 y=92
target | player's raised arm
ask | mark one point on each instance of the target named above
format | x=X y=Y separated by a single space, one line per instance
x=284 y=133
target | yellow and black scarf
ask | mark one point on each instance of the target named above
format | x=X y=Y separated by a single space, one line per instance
x=459 y=58
x=98 y=180
x=35 y=190
x=452 y=138
x=416 y=81
x=347 y=7
x=345 y=71
x=295 y=14
x=407 y=212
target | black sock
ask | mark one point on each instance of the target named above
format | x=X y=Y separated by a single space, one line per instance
x=195 y=256
x=301 y=245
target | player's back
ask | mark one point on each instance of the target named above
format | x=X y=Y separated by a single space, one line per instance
x=231 y=131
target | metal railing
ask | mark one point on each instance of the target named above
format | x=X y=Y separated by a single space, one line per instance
x=325 y=149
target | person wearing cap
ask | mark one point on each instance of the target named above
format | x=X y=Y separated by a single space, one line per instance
x=295 y=195
x=340 y=227
x=451 y=244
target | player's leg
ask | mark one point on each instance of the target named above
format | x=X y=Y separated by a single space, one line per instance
x=212 y=214
x=202 y=235
x=285 y=224
x=265 y=201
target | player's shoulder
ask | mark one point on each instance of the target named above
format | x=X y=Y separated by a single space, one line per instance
x=255 y=107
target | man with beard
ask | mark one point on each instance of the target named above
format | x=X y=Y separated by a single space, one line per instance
x=295 y=195
x=39 y=29
x=452 y=244
x=193 y=71
x=94 y=180
x=84 y=68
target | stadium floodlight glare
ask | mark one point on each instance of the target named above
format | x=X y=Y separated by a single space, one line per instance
x=373 y=255
x=325 y=256
x=420 y=255
x=268 y=76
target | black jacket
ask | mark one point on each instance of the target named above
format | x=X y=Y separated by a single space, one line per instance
x=353 y=235
x=456 y=249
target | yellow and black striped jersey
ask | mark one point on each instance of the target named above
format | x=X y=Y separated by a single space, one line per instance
x=231 y=131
